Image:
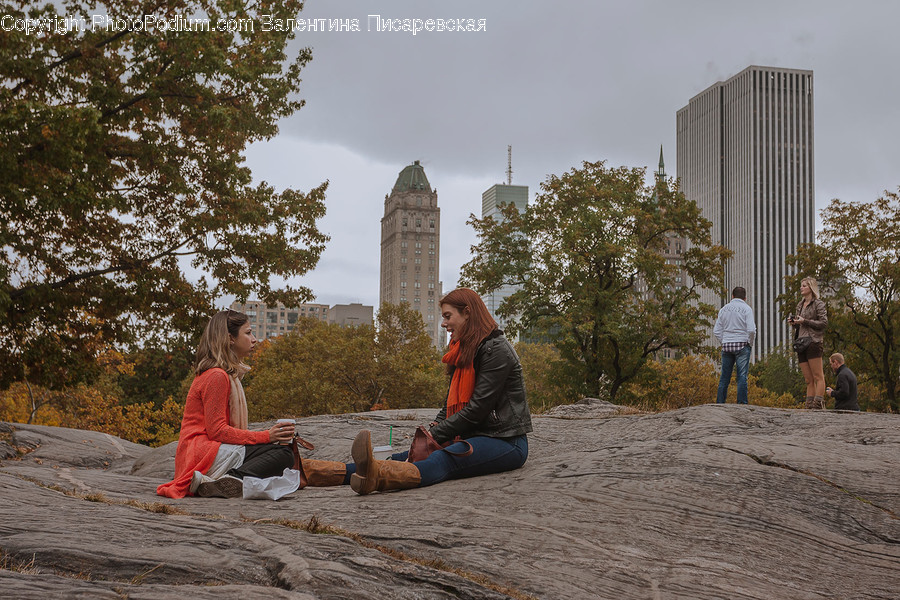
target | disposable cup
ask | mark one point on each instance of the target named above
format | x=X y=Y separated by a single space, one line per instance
x=382 y=452
x=292 y=422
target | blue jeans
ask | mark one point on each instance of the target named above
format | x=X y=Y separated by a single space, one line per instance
x=489 y=455
x=729 y=360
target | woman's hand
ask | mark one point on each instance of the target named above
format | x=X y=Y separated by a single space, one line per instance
x=798 y=320
x=281 y=433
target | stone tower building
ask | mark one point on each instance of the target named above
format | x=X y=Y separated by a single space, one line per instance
x=410 y=248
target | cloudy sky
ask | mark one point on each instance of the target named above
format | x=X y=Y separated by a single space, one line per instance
x=561 y=83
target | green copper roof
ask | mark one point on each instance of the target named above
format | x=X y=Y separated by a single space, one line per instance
x=412 y=178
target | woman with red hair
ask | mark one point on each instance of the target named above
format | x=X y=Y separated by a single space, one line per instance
x=485 y=406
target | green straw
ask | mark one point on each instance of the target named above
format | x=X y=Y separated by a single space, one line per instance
x=391 y=435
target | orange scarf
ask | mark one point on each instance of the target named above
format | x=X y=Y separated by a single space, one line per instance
x=462 y=383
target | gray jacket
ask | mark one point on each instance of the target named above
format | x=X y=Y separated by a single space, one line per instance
x=498 y=407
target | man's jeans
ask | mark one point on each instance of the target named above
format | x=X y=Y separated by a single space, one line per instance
x=729 y=359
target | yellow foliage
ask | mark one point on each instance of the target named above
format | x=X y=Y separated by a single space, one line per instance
x=544 y=384
x=17 y=404
x=85 y=407
x=693 y=380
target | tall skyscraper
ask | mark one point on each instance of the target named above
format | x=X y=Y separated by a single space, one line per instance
x=410 y=248
x=745 y=156
x=491 y=201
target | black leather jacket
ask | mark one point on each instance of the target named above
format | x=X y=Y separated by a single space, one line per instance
x=498 y=407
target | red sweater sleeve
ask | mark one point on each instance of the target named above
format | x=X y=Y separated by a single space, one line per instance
x=215 y=411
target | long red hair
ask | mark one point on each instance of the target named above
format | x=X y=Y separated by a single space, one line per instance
x=479 y=325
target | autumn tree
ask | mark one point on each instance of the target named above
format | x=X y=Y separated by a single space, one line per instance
x=857 y=265
x=322 y=368
x=408 y=363
x=96 y=407
x=587 y=256
x=690 y=381
x=543 y=370
x=125 y=204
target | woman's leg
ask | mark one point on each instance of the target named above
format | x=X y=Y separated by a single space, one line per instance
x=351 y=467
x=818 y=376
x=489 y=455
x=379 y=475
x=810 y=382
x=264 y=460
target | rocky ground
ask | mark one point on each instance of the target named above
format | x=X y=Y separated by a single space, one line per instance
x=730 y=501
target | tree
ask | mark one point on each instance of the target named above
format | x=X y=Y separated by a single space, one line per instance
x=692 y=380
x=121 y=164
x=778 y=372
x=588 y=257
x=544 y=383
x=157 y=373
x=322 y=368
x=301 y=373
x=408 y=365
x=857 y=265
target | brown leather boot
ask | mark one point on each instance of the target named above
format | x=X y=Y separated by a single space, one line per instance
x=379 y=475
x=815 y=402
x=323 y=473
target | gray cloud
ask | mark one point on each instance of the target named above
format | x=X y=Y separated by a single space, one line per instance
x=562 y=83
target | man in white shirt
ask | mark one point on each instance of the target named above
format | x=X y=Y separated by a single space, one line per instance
x=735 y=330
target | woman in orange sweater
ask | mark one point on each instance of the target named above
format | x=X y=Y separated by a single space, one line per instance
x=215 y=448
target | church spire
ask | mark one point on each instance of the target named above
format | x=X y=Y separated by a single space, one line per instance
x=661 y=173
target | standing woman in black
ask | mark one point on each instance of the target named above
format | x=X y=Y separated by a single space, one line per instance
x=809 y=320
x=485 y=406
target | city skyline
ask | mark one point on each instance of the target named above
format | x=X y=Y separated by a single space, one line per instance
x=601 y=82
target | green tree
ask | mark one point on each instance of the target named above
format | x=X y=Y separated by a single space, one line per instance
x=778 y=372
x=315 y=369
x=588 y=257
x=544 y=379
x=322 y=368
x=857 y=265
x=157 y=373
x=408 y=365
x=121 y=164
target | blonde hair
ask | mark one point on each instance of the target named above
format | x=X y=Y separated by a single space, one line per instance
x=813 y=286
x=214 y=349
x=838 y=358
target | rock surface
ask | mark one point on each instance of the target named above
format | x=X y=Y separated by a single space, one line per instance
x=709 y=502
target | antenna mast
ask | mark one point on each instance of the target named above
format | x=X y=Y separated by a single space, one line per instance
x=509 y=165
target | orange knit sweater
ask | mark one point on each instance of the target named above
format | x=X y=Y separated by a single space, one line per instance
x=204 y=428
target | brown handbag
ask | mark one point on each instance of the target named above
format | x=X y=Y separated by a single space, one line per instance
x=295 y=441
x=424 y=444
